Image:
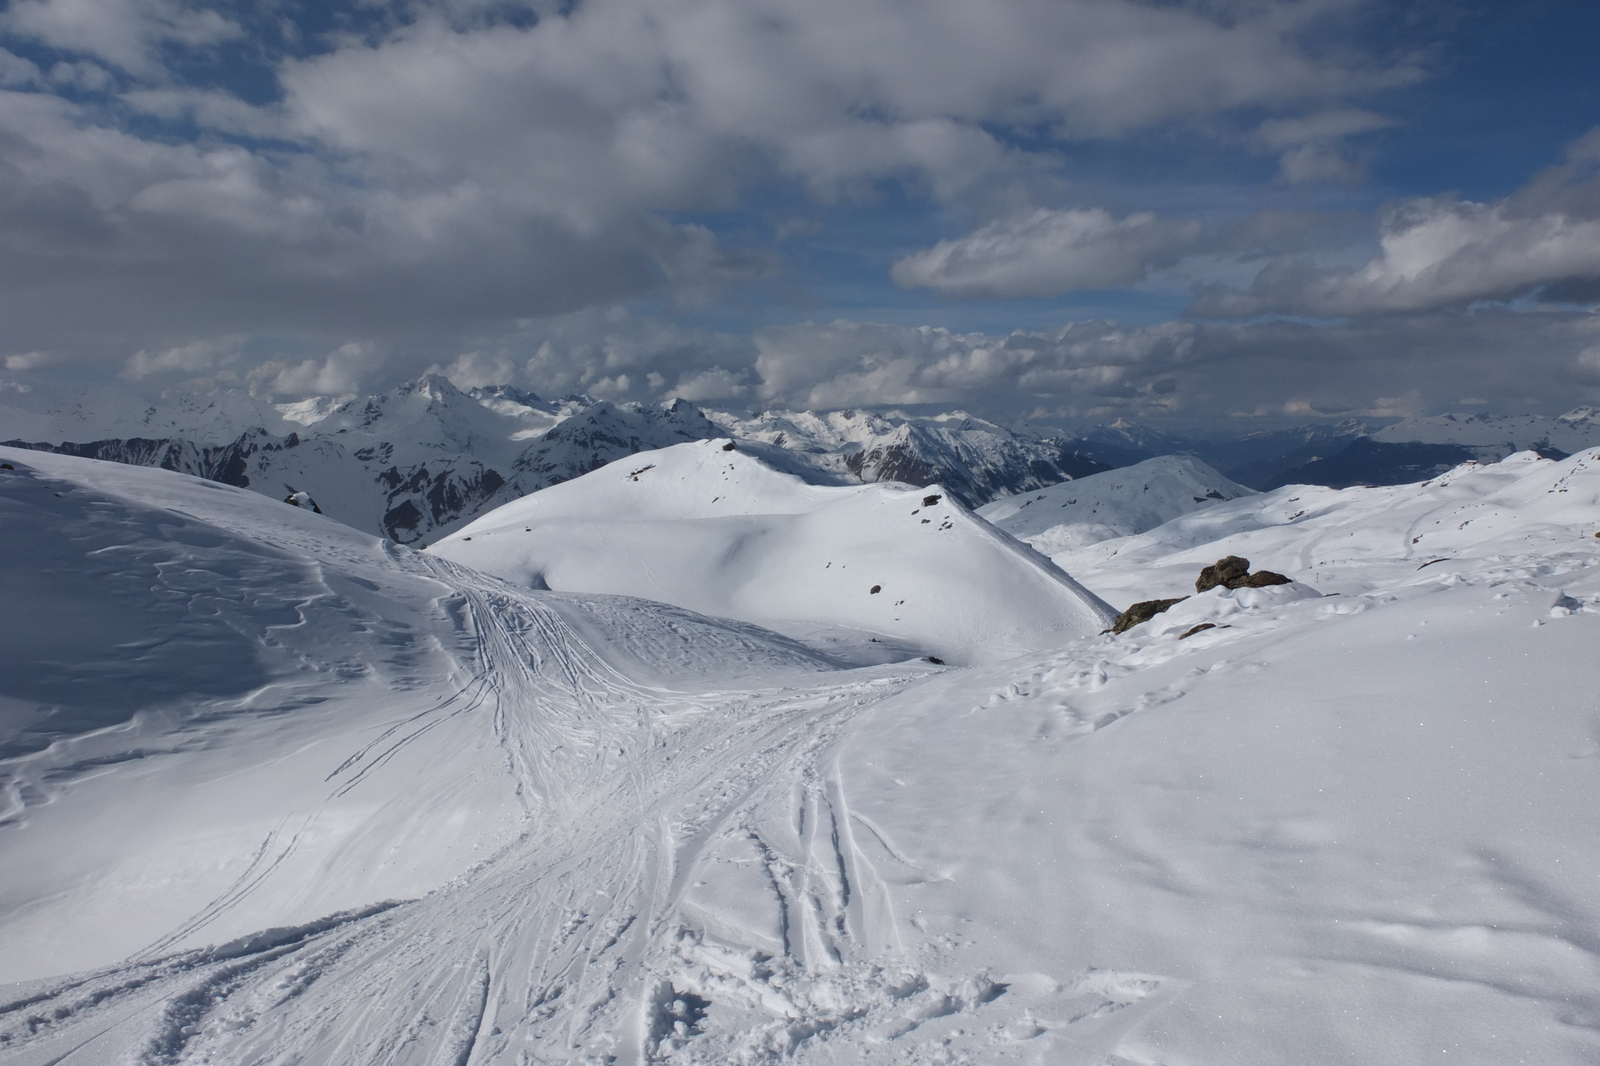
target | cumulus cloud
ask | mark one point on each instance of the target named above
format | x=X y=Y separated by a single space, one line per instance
x=1311 y=145
x=125 y=33
x=1375 y=367
x=1440 y=252
x=193 y=358
x=449 y=169
x=1047 y=252
x=346 y=369
x=28 y=361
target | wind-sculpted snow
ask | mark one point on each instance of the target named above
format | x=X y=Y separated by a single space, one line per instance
x=709 y=528
x=557 y=828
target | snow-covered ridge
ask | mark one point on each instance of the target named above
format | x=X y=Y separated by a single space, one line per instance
x=709 y=528
x=425 y=457
x=1116 y=503
x=1572 y=432
x=1344 y=540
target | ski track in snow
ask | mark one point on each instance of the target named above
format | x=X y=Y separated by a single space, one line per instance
x=592 y=937
x=695 y=882
x=576 y=930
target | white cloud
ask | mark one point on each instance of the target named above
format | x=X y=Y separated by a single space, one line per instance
x=28 y=360
x=471 y=369
x=194 y=358
x=1314 y=163
x=1310 y=145
x=1435 y=254
x=714 y=385
x=16 y=71
x=1046 y=253
x=124 y=33
x=1322 y=126
x=455 y=171
x=346 y=369
x=1440 y=252
x=1376 y=367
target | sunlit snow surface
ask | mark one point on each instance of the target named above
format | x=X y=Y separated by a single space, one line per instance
x=280 y=792
x=714 y=530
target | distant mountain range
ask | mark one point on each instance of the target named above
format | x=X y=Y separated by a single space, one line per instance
x=424 y=458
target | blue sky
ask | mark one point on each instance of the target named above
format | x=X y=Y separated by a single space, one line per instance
x=1076 y=208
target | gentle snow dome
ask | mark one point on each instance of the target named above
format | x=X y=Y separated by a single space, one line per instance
x=1055 y=208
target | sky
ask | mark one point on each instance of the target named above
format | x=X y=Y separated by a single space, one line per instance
x=1242 y=210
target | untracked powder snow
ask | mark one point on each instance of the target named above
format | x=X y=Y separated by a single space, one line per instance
x=640 y=769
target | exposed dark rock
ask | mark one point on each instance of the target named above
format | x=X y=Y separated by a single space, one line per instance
x=1230 y=572
x=225 y=463
x=301 y=498
x=1233 y=572
x=730 y=446
x=929 y=501
x=1201 y=628
x=874 y=590
x=1142 y=612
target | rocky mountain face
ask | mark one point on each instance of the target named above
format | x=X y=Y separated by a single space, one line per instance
x=1416 y=449
x=425 y=457
x=422 y=459
x=976 y=460
x=409 y=463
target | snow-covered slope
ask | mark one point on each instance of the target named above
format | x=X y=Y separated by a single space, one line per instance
x=1354 y=828
x=1357 y=539
x=973 y=459
x=421 y=458
x=1116 y=503
x=222 y=713
x=717 y=531
x=1572 y=432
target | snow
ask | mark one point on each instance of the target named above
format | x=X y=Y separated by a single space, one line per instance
x=1114 y=503
x=57 y=412
x=311 y=410
x=1572 y=432
x=718 y=532
x=292 y=794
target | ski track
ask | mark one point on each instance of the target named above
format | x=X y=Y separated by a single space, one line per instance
x=590 y=938
x=583 y=941
x=600 y=935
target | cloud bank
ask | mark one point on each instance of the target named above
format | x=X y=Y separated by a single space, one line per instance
x=444 y=166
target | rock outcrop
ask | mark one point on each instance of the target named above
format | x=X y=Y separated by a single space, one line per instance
x=1142 y=611
x=1233 y=572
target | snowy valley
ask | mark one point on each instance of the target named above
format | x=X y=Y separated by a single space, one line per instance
x=689 y=759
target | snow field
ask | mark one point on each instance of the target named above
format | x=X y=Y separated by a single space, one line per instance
x=1352 y=828
x=718 y=532
x=1113 y=503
